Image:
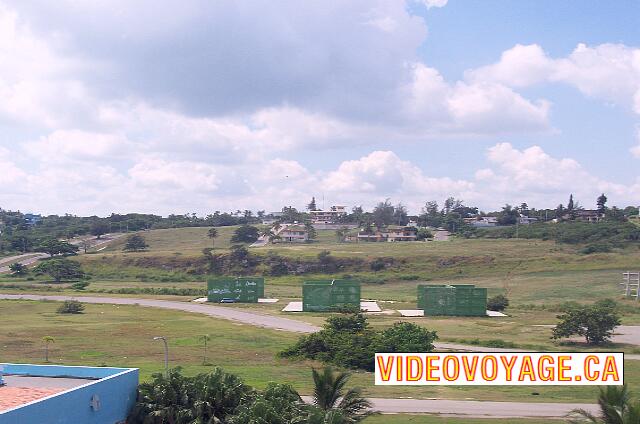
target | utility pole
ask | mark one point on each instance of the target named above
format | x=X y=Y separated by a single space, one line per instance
x=166 y=354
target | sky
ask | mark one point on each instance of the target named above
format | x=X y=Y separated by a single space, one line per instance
x=197 y=106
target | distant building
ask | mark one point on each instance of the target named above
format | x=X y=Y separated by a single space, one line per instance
x=291 y=233
x=525 y=220
x=584 y=215
x=412 y=223
x=390 y=233
x=330 y=216
x=482 y=221
x=67 y=395
x=32 y=219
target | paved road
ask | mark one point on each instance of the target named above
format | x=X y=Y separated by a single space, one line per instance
x=252 y=318
x=475 y=409
x=33 y=257
x=26 y=259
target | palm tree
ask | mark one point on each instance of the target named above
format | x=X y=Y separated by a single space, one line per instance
x=47 y=340
x=212 y=234
x=338 y=405
x=205 y=339
x=616 y=407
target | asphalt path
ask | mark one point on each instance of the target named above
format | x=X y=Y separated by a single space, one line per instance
x=33 y=257
x=475 y=408
x=26 y=259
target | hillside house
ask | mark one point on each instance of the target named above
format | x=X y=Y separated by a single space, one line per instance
x=291 y=233
x=330 y=216
x=482 y=221
x=390 y=233
x=585 y=215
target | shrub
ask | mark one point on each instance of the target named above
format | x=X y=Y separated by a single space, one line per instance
x=17 y=269
x=348 y=341
x=80 y=285
x=377 y=264
x=596 y=248
x=245 y=234
x=497 y=303
x=595 y=322
x=71 y=307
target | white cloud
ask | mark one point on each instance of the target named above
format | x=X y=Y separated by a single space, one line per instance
x=471 y=108
x=434 y=3
x=610 y=72
x=77 y=145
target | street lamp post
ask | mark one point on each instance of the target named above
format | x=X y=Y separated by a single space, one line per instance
x=166 y=354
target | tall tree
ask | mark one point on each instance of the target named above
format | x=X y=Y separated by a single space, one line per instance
x=47 y=340
x=312 y=205
x=400 y=214
x=311 y=231
x=602 y=203
x=616 y=407
x=331 y=396
x=135 y=243
x=383 y=213
x=212 y=234
x=60 y=269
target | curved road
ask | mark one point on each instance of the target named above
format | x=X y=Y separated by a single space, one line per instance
x=435 y=406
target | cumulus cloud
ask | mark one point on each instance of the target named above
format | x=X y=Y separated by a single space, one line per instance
x=435 y=3
x=120 y=106
x=607 y=71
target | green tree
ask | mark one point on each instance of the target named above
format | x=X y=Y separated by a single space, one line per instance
x=311 y=231
x=135 y=243
x=341 y=234
x=47 y=340
x=595 y=322
x=245 y=234
x=53 y=247
x=60 y=269
x=331 y=396
x=17 y=269
x=400 y=214
x=212 y=234
x=71 y=307
x=508 y=216
x=497 y=303
x=423 y=234
x=602 y=203
x=312 y=205
x=616 y=407
x=383 y=214
x=205 y=339
x=406 y=337
x=99 y=228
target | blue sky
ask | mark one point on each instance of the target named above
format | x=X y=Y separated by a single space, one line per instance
x=194 y=106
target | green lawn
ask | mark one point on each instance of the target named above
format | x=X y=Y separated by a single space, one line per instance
x=113 y=335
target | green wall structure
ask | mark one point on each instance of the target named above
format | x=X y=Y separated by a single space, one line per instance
x=452 y=299
x=241 y=289
x=329 y=295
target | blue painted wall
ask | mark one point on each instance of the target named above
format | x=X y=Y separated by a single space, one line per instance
x=116 y=389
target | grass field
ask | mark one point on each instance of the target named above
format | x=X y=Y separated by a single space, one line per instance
x=113 y=335
x=537 y=276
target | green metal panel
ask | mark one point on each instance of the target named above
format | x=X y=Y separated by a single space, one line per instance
x=327 y=295
x=242 y=289
x=452 y=300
